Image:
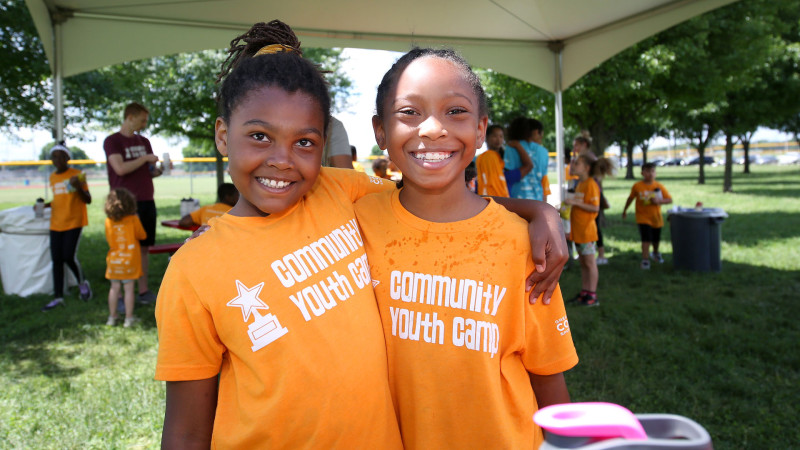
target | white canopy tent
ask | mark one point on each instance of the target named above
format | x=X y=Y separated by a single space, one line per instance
x=549 y=43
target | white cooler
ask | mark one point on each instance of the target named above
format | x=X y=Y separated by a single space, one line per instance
x=25 y=264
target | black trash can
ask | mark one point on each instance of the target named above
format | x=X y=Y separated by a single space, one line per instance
x=696 y=236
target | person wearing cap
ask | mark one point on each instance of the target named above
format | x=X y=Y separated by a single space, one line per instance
x=67 y=219
x=131 y=164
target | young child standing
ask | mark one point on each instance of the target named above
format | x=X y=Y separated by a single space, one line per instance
x=585 y=205
x=124 y=230
x=227 y=196
x=489 y=164
x=470 y=360
x=67 y=219
x=649 y=195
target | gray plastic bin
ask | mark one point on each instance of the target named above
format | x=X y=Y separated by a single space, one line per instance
x=696 y=236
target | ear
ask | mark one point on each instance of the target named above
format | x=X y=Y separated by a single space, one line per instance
x=380 y=133
x=221 y=136
x=481 y=136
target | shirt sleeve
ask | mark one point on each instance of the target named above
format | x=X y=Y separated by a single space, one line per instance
x=197 y=215
x=548 y=341
x=592 y=194
x=188 y=345
x=664 y=192
x=138 y=229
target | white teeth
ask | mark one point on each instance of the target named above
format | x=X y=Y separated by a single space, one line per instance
x=432 y=156
x=276 y=184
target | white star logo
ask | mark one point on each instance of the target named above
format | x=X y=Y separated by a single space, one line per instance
x=248 y=299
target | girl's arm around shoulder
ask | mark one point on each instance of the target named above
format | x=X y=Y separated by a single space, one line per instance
x=549 y=389
x=356 y=184
x=548 y=247
x=189 y=416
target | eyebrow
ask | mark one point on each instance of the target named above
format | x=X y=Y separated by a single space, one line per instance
x=259 y=122
x=448 y=94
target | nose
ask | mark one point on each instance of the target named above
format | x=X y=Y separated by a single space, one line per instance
x=280 y=157
x=432 y=128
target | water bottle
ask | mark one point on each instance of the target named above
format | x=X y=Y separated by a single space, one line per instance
x=38 y=208
x=166 y=164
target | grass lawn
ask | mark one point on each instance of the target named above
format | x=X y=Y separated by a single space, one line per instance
x=720 y=348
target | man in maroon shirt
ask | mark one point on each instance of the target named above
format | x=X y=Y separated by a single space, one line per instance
x=131 y=164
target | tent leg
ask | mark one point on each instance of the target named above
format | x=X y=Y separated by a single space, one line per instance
x=58 y=89
x=559 y=113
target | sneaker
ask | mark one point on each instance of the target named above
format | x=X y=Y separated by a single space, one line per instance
x=121 y=306
x=129 y=321
x=146 y=298
x=601 y=261
x=645 y=264
x=589 y=301
x=55 y=303
x=85 y=291
x=657 y=257
x=577 y=299
x=111 y=321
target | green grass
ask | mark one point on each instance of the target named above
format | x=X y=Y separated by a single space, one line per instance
x=719 y=348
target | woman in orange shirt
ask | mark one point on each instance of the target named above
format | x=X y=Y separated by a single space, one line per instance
x=67 y=219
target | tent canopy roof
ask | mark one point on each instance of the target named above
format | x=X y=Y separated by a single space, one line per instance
x=515 y=37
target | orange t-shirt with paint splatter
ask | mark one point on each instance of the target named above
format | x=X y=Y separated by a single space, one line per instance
x=461 y=336
x=68 y=211
x=582 y=225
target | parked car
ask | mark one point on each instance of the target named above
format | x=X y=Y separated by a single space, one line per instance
x=789 y=158
x=673 y=162
x=656 y=162
x=707 y=160
x=766 y=159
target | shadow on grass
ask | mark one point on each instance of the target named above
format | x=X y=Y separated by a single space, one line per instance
x=752 y=228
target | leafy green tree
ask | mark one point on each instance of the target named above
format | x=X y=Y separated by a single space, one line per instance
x=24 y=72
x=77 y=152
x=376 y=151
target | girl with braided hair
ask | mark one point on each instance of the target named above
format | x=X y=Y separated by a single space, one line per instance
x=279 y=344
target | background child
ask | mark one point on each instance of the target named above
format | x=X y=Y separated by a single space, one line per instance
x=491 y=179
x=517 y=163
x=649 y=195
x=67 y=219
x=124 y=230
x=227 y=196
x=470 y=360
x=601 y=168
x=583 y=229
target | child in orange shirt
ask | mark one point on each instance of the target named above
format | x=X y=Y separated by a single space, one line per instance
x=124 y=230
x=67 y=219
x=585 y=205
x=470 y=360
x=227 y=196
x=489 y=164
x=649 y=195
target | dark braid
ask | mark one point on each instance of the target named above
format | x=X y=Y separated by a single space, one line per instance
x=389 y=80
x=243 y=73
x=258 y=36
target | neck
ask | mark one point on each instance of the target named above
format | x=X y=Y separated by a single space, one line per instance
x=126 y=130
x=449 y=204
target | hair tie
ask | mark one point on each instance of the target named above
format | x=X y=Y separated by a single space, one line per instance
x=276 y=48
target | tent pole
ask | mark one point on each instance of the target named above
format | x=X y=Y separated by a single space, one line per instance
x=58 y=90
x=559 y=112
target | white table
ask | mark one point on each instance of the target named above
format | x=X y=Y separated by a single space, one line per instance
x=25 y=264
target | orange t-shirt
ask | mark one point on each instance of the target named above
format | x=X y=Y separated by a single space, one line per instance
x=124 y=260
x=546 y=186
x=647 y=212
x=582 y=225
x=287 y=317
x=461 y=336
x=206 y=213
x=68 y=211
x=491 y=180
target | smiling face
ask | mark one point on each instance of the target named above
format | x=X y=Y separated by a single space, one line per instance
x=274 y=141
x=431 y=124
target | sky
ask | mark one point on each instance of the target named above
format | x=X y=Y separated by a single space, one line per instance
x=364 y=67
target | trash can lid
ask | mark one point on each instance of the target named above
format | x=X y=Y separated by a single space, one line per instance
x=699 y=214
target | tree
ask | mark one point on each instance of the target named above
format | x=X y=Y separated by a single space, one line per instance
x=77 y=152
x=24 y=72
x=376 y=151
